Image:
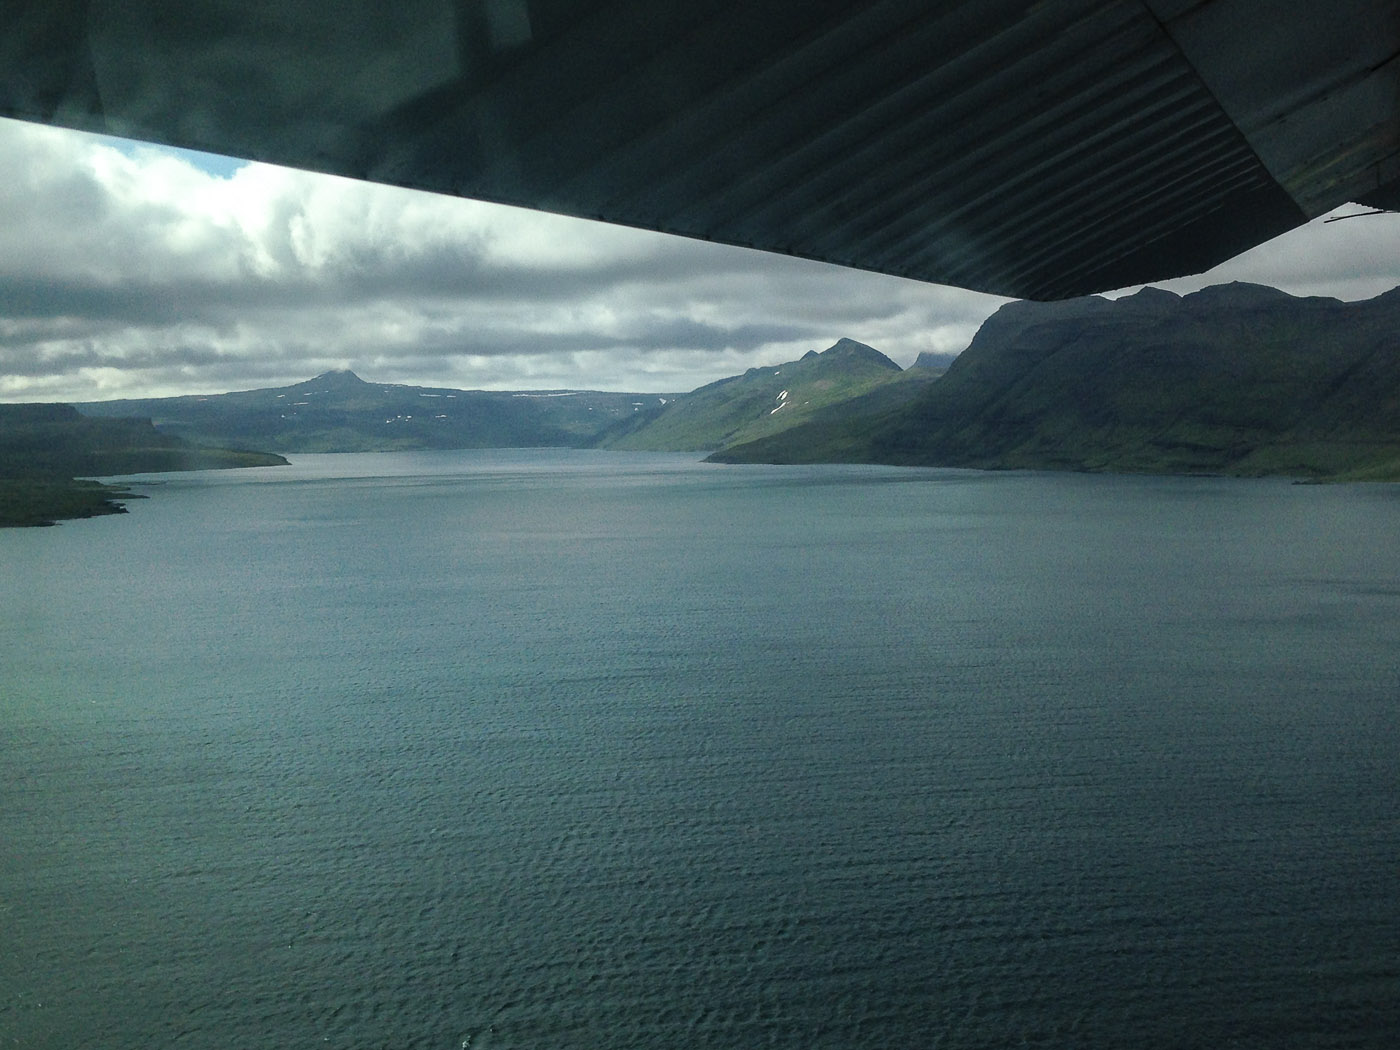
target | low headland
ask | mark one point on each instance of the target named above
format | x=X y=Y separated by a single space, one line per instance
x=49 y=453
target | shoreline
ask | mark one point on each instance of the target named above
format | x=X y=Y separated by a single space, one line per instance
x=44 y=502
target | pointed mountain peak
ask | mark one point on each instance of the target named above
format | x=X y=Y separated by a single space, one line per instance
x=847 y=346
x=338 y=379
x=852 y=350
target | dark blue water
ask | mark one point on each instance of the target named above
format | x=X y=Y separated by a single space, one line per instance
x=535 y=749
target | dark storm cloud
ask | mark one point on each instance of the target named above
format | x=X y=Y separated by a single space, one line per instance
x=679 y=334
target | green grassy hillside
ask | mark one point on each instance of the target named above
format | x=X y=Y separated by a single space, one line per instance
x=765 y=401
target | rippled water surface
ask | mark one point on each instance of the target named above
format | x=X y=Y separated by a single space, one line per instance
x=538 y=749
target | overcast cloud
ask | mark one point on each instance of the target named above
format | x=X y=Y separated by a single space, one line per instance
x=130 y=271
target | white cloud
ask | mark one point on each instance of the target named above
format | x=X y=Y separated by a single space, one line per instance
x=128 y=270
x=1352 y=258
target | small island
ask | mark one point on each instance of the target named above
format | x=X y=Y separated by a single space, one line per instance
x=48 y=453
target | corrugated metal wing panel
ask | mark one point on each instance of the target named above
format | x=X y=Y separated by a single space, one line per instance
x=1036 y=149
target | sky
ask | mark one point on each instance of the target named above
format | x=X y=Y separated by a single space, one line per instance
x=129 y=270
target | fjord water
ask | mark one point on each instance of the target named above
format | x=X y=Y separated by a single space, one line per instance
x=545 y=749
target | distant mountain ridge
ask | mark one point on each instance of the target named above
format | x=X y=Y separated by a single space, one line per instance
x=1234 y=379
x=340 y=412
x=929 y=359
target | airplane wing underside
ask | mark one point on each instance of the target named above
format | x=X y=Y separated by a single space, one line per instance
x=1031 y=149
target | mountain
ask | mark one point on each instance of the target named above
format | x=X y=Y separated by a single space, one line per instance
x=45 y=447
x=929 y=359
x=340 y=412
x=1234 y=379
x=765 y=401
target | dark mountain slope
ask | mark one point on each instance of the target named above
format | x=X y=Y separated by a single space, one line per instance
x=46 y=440
x=1235 y=379
x=44 y=447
